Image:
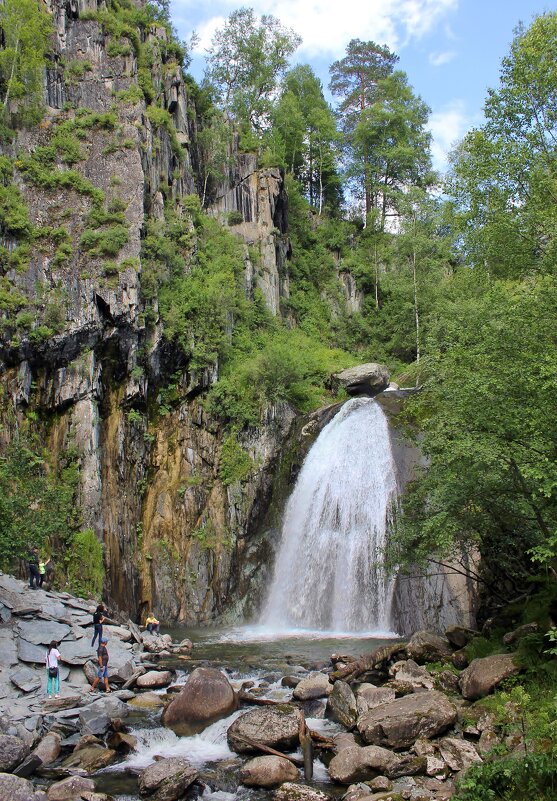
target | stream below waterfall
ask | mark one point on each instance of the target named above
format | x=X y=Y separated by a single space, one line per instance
x=244 y=654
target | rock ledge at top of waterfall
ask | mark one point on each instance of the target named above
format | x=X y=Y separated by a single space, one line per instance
x=364 y=379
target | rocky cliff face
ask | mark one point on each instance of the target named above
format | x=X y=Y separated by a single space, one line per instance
x=174 y=535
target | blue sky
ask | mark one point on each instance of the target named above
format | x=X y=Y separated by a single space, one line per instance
x=450 y=49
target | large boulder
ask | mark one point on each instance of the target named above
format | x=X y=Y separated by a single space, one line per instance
x=483 y=675
x=207 y=696
x=26 y=679
x=12 y=752
x=268 y=771
x=341 y=705
x=357 y=764
x=95 y=718
x=154 y=678
x=277 y=727
x=167 y=779
x=411 y=673
x=369 y=696
x=399 y=724
x=364 y=379
x=424 y=646
x=316 y=685
x=12 y=788
x=90 y=759
x=70 y=788
x=459 y=636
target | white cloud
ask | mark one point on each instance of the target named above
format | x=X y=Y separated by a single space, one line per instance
x=325 y=25
x=438 y=59
x=447 y=125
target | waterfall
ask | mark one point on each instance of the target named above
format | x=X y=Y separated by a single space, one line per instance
x=328 y=573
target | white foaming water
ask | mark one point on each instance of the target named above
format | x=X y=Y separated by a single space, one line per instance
x=328 y=574
x=208 y=746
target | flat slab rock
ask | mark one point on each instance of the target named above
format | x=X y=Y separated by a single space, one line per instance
x=277 y=727
x=400 y=723
x=26 y=679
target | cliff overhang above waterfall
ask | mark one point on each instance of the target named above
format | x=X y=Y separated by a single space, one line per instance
x=364 y=379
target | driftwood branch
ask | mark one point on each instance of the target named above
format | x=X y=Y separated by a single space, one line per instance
x=253 y=699
x=268 y=750
x=368 y=662
x=320 y=741
x=307 y=747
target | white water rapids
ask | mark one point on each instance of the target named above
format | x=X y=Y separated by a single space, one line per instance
x=328 y=573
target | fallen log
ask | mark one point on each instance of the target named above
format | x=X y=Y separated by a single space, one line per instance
x=253 y=699
x=306 y=745
x=320 y=741
x=369 y=661
x=268 y=750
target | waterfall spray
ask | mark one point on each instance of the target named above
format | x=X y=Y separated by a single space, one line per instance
x=328 y=573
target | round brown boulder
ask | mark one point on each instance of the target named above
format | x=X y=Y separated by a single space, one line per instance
x=268 y=771
x=206 y=697
x=276 y=727
x=400 y=723
x=483 y=675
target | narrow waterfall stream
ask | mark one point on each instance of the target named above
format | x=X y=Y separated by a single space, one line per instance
x=328 y=574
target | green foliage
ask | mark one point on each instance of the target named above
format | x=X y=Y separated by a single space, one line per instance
x=84 y=564
x=26 y=29
x=37 y=499
x=510 y=779
x=235 y=218
x=235 y=464
x=245 y=61
x=161 y=118
x=106 y=241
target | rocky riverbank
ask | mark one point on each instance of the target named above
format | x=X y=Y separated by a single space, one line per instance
x=399 y=723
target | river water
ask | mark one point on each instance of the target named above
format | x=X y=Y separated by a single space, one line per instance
x=244 y=654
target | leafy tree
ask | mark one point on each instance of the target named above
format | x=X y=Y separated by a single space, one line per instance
x=245 y=62
x=355 y=79
x=504 y=173
x=306 y=129
x=26 y=28
x=390 y=147
x=213 y=141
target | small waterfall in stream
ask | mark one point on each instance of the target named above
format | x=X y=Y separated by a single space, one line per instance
x=327 y=573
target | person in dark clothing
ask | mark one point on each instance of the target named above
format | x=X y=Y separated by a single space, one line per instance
x=102 y=671
x=33 y=562
x=98 y=620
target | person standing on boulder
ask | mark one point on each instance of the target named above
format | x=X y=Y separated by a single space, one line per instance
x=33 y=562
x=102 y=672
x=52 y=669
x=98 y=620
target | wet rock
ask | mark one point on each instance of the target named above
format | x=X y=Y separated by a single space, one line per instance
x=412 y=673
x=399 y=723
x=316 y=685
x=122 y=742
x=90 y=759
x=95 y=719
x=360 y=764
x=26 y=679
x=69 y=789
x=315 y=708
x=364 y=379
x=459 y=636
x=154 y=678
x=368 y=697
x=13 y=788
x=268 y=771
x=458 y=754
x=460 y=659
x=290 y=681
x=276 y=727
x=424 y=646
x=207 y=696
x=522 y=631
x=147 y=700
x=483 y=675
x=299 y=792
x=167 y=779
x=341 y=705
x=12 y=752
x=86 y=741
